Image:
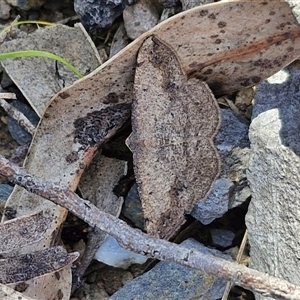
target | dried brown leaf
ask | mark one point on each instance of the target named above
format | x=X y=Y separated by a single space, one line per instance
x=174 y=121
x=22 y=231
x=26 y=266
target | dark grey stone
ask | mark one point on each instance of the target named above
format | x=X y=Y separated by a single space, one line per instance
x=231 y=188
x=26 y=4
x=17 y=132
x=5 y=191
x=274 y=174
x=132 y=208
x=222 y=237
x=97 y=15
x=169 y=281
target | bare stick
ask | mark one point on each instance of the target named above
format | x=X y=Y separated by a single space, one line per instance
x=238 y=260
x=140 y=242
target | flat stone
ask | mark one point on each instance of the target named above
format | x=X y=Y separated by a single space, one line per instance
x=172 y=281
x=26 y=4
x=231 y=188
x=4 y=10
x=222 y=237
x=132 y=208
x=140 y=17
x=274 y=174
x=188 y=4
x=97 y=15
x=17 y=132
x=5 y=191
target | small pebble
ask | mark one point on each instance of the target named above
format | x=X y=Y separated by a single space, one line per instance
x=4 y=10
x=222 y=237
x=140 y=17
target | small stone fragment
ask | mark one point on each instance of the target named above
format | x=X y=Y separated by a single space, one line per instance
x=169 y=3
x=18 y=132
x=221 y=237
x=179 y=283
x=112 y=254
x=97 y=15
x=4 y=10
x=188 y=4
x=26 y=4
x=5 y=191
x=274 y=174
x=132 y=208
x=140 y=17
x=119 y=41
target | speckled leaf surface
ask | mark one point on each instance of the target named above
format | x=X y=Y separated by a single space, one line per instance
x=26 y=266
x=22 y=231
x=40 y=78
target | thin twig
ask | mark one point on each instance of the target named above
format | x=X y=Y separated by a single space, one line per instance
x=238 y=260
x=139 y=242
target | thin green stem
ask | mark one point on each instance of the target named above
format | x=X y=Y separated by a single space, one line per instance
x=33 y=53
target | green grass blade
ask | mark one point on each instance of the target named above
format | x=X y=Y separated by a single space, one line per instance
x=44 y=23
x=33 y=53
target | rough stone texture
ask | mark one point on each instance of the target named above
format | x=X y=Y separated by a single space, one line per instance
x=4 y=10
x=231 y=188
x=140 y=17
x=188 y=4
x=26 y=4
x=5 y=191
x=169 y=3
x=273 y=218
x=97 y=15
x=295 y=5
x=172 y=281
x=222 y=237
x=18 y=133
x=132 y=208
x=119 y=41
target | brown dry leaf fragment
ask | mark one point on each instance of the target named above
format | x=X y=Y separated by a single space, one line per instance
x=40 y=78
x=174 y=121
x=27 y=266
x=22 y=231
x=99 y=126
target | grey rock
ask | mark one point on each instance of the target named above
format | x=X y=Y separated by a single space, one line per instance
x=169 y=3
x=222 y=237
x=231 y=188
x=5 y=191
x=119 y=41
x=6 y=80
x=233 y=133
x=274 y=174
x=97 y=15
x=4 y=10
x=167 y=13
x=17 y=132
x=26 y=4
x=188 y=4
x=140 y=17
x=168 y=281
x=132 y=208
x=216 y=204
x=295 y=6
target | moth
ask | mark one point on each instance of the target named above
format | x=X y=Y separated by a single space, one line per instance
x=174 y=121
